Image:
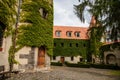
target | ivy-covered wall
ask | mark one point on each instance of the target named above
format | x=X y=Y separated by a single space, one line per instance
x=71 y=47
x=36 y=30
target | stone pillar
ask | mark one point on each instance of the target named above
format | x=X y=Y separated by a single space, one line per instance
x=47 y=61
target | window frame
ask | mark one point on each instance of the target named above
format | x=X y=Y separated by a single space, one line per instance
x=69 y=33
x=77 y=34
x=58 y=33
x=72 y=58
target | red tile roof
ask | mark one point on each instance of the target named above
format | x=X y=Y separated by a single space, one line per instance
x=73 y=29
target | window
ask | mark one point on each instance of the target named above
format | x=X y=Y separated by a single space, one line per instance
x=72 y=58
x=1 y=36
x=84 y=45
x=43 y=13
x=77 y=34
x=58 y=33
x=54 y=44
x=62 y=44
x=76 y=44
x=1 y=40
x=81 y=59
x=69 y=33
x=70 y=44
x=54 y=57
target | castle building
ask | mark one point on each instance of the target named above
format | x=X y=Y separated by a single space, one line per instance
x=70 y=44
x=111 y=54
x=35 y=37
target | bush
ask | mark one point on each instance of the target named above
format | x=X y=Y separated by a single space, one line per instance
x=105 y=66
x=56 y=64
x=80 y=65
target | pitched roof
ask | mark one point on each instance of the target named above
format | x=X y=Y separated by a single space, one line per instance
x=73 y=29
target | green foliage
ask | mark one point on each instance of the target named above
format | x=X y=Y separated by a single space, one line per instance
x=106 y=12
x=36 y=30
x=88 y=65
x=95 y=36
x=115 y=72
x=11 y=57
x=7 y=11
x=56 y=64
x=7 y=20
x=78 y=47
x=105 y=66
x=79 y=65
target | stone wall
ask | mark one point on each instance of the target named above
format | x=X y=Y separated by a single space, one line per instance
x=28 y=58
x=115 y=55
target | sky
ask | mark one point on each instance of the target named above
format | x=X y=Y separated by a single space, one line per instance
x=64 y=14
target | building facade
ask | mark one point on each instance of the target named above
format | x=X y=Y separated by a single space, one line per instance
x=34 y=35
x=111 y=47
x=70 y=44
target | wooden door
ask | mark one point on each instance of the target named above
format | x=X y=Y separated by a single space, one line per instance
x=62 y=60
x=41 y=57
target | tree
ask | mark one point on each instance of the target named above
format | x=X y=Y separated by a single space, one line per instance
x=106 y=12
x=107 y=15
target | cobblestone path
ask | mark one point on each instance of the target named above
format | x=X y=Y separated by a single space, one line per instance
x=67 y=73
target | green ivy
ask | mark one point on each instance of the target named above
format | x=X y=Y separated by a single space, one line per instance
x=73 y=50
x=36 y=30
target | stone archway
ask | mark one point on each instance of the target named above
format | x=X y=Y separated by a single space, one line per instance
x=41 y=56
x=111 y=59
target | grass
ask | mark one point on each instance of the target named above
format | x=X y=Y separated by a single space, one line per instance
x=115 y=72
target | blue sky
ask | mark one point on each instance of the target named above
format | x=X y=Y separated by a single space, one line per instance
x=64 y=14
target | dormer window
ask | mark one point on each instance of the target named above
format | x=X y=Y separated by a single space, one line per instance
x=77 y=34
x=69 y=33
x=58 y=33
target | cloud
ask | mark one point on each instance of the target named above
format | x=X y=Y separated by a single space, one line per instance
x=64 y=13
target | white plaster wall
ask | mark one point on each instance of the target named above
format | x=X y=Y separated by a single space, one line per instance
x=2 y=58
x=5 y=52
x=68 y=59
x=24 y=50
x=57 y=59
x=47 y=61
x=76 y=59
x=36 y=58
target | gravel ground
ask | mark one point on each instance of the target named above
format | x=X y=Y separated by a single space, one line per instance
x=66 y=73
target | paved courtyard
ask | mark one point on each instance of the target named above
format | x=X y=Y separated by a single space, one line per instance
x=67 y=73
